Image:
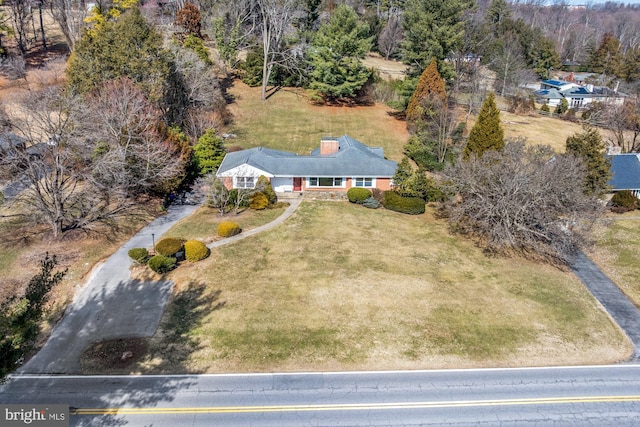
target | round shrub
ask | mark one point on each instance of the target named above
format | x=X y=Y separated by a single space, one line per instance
x=624 y=201
x=358 y=195
x=139 y=255
x=169 y=246
x=409 y=205
x=259 y=201
x=195 y=250
x=228 y=229
x=161 y=264
x=371 y=203
x=545 y=108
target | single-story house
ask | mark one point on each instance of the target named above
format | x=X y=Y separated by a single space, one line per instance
x=625 y=169
x=338 y=164
x=553 y=91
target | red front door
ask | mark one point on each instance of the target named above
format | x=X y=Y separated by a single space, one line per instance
x=297 y=184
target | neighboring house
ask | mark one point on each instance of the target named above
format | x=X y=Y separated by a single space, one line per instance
x=553 y=91
x=339 y=164
x=625 y=170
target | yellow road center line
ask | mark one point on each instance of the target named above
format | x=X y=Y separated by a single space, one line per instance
x=354 y=406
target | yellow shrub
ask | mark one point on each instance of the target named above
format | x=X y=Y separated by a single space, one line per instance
x=228 y=229
x=195 y=250
x=259 y=201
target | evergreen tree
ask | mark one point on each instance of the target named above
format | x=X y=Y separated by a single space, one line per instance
x=562 y=107
x=432 y=29
x=19 y=317
x=335 y=56
x=589 y=146
x=127 y=47
x=209 y=152
x=430 y=87
x=630 y=68
x=402 y=177
x=497 y=13
x=607 y=58
x=487 y=134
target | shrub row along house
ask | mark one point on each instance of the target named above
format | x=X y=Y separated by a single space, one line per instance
x=339 y=164
x=552 y=92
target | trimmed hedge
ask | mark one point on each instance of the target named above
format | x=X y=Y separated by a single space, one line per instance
x=139 y=255
x=358 y=195
x=169 y=246
x=259 y=201
x=195 y=250
x=409 y=205
x=161 y=264
x=228 y=229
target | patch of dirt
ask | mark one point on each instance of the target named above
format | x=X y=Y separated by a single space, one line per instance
x=117 y=355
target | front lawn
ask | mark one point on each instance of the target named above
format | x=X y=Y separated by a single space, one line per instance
x=203 y=223
x=342 y=287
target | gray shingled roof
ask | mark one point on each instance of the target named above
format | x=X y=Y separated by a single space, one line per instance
x=626 y=172
x=352 y=159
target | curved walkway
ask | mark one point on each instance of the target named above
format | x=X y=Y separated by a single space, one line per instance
x=112 y=305
x=615 y=302
x=293 y=205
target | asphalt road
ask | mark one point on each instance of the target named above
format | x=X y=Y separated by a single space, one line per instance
x=597 y=396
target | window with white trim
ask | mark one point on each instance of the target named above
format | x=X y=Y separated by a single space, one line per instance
x=363 y=182
x=245 y=182
x=325 y=182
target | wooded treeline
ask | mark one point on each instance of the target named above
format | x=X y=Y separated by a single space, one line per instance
x=284 y=38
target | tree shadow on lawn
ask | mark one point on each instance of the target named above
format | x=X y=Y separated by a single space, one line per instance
x=171 y=346
x=168 y=350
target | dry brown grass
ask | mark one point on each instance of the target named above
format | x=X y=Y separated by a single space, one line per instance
x=537 y=129
x=387 y=69
x=339 y=287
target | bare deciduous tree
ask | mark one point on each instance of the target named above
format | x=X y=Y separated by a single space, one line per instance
x=69 y=15
x=218 y=196
x=390 y=37
x=525 y=199
x=277 y=17
x=80 y=168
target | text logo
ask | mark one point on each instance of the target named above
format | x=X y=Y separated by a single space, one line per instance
x=34 y=415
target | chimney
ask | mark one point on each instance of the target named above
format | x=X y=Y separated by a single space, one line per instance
x=329 y=146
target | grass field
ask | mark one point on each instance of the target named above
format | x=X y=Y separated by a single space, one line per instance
x=339 y=286
x=288 y=121
x=616 y=253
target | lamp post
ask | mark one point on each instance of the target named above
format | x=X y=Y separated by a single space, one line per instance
x=153 y=241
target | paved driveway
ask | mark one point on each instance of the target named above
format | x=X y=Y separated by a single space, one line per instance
x=110 y=305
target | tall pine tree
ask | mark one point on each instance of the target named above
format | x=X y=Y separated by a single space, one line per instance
x=589 y=146
x=335 y=55
x=430 y=88
x=487 y=134
x=607 y=58
x=432 y=29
